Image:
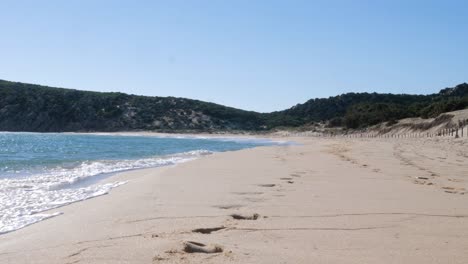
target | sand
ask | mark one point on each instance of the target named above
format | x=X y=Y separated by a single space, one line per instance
x=326 y=201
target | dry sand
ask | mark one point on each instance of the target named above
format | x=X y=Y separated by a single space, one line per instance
x=327 y=201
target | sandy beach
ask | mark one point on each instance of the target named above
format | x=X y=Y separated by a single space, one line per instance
x=328 y=200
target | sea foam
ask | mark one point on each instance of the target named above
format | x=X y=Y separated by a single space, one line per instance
x=25 y=200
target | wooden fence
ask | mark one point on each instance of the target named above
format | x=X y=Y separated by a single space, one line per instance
x=457 y=131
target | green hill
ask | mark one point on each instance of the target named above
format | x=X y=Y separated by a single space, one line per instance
x=355 y=110
x=29 y=107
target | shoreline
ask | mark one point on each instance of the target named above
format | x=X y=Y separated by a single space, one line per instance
x=325 y=201
x=108 y=178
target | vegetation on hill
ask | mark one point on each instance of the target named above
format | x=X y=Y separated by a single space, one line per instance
x=28 y=107
x=357 y=110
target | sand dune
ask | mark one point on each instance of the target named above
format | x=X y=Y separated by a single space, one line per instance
x=329 y=200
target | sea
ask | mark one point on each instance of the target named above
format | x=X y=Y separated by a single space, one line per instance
x=43 y=171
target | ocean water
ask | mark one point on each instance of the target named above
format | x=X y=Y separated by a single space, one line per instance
x=39 y=172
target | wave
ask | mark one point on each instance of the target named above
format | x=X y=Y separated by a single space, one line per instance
x=23 y=200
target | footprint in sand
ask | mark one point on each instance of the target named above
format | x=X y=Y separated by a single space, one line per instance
x=267 y=185
x=188 y=247
x=197 y=247
x=208 y=230
x=453 y=190
x=245 y=217
x=287 y=179
x=422 y=178
x=455 y=180
x=448 y=188
x=421 y=182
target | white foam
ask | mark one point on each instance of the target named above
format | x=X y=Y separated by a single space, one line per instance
x=23 y=200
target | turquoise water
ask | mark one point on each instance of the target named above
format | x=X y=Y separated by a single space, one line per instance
x=39 y=172
x=25 y=153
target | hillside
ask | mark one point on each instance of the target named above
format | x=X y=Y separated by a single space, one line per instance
x=357 y=110
x=29 y=107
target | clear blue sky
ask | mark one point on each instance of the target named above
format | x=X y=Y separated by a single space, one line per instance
x=256 y=55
